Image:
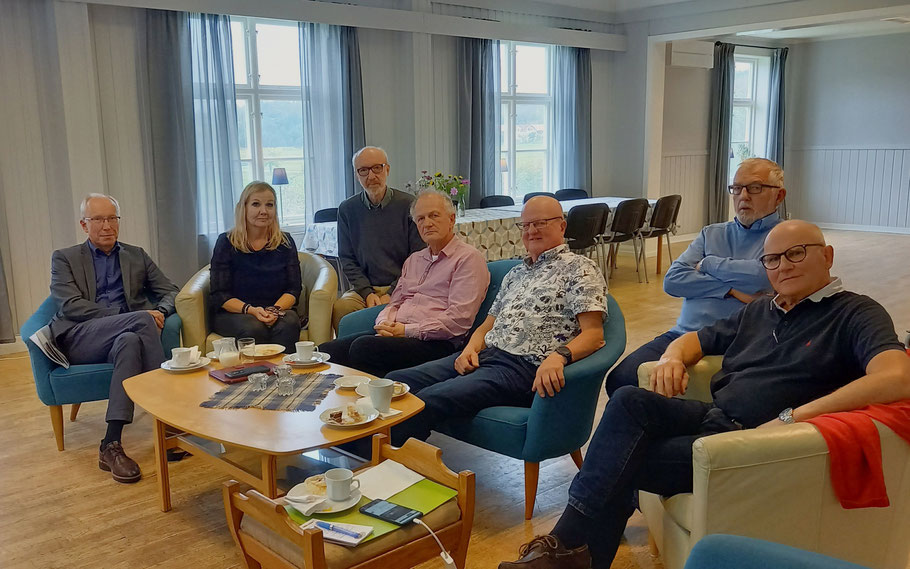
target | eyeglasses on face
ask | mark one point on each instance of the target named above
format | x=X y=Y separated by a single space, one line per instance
x=112 y=220
x=375 y=168
x=537 y=224
x=795 y=254
x=753 y=189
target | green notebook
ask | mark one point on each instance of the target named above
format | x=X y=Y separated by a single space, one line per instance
x=424 y=496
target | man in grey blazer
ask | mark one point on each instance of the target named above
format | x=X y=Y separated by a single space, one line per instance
x=112 y=301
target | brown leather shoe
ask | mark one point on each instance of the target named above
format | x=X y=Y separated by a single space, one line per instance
x=122 y=468
x=545 y=552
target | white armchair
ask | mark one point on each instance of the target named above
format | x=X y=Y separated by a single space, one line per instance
x=775 y=485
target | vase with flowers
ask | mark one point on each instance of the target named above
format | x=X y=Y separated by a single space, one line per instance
x=454 y=186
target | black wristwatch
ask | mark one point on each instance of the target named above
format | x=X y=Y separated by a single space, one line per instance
x=565 y=352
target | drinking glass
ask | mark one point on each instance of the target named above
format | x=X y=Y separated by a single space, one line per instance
x=286 y=385
x=247 y=348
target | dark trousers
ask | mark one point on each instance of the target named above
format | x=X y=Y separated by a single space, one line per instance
x=626 y=371
x=131 y=341
x=643 y=442
x=285 y=331
x=379 y=355
x=501 y=379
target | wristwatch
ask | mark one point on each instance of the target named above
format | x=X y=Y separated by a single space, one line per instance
x=565 y=353
x=786 y=416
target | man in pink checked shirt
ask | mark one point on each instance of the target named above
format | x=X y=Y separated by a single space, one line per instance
x=434 y=304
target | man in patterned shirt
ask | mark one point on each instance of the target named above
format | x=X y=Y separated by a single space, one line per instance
x=549 y=312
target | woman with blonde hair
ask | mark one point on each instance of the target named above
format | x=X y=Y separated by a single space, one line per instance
x=255 y=274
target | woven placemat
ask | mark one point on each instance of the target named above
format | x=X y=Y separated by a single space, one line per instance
x=310 y=390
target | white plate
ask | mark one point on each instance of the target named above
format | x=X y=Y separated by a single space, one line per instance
x=350 y=381
x=364 y=390
x=367 y=411
x=329 y=506
x=265 y=351
x=202 y=362
x=318 y=358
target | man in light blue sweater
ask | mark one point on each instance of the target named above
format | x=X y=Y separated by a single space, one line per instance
x=720 y=272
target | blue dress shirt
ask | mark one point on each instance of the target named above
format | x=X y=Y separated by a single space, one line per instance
x=729 y=254
x=108 y=277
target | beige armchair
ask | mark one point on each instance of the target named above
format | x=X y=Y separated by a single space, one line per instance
x=320 y=289
x=775 y=484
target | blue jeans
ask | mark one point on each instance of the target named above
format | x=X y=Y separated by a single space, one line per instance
x=626 y=371
x=501 y=379
x=643 y=442
x=380 y=355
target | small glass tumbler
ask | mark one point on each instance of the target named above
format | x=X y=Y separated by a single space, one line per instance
x=286 y=385
x=247 y=347
x=283 y=370
x=259 y=381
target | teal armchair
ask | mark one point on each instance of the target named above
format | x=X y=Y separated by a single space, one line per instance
x=552 y=426
x=79 y=384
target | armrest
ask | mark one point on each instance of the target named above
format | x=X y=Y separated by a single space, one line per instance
x=321 y=281
x=700 y=376
x=170 y=334
x=359 y=322
x=763 y=483
x=191 y=304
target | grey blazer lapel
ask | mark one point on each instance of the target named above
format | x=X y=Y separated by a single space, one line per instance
x=88 y=271
x=125 y=275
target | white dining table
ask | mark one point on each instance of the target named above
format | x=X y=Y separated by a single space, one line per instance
x=491 y=230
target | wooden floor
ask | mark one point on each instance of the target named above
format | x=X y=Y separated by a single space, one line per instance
x=58 y=510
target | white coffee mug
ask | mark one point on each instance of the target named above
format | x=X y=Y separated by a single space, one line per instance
x=381 y=391
x=182 y=357
x=339 y=483
x=305 y=351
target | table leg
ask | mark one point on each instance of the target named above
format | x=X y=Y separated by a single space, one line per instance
x=164 y=483
x=270 y=474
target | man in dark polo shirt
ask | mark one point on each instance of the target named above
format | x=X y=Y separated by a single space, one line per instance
x=375 y=235
x=812 y=349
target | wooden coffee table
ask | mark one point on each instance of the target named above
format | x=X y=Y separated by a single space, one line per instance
x=173 y=400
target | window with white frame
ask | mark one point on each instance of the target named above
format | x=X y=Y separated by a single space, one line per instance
x=751 y=96
x=269 y=108
x=526 y=117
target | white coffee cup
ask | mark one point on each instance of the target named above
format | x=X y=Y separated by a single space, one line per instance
x=339 y=483
x=381 y=391
x=305 y=351
x=183 y=357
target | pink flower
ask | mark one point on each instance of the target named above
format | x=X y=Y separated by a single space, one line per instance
x=454 y=191
x=465 y=181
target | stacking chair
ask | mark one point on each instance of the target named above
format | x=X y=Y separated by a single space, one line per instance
x=81 y=383
x=267 y=537
x=535 y=194
x=628 y=220
x=585 y=223
x=663 y=222
x=571 y=194
x=324 y=215
x=496 y=201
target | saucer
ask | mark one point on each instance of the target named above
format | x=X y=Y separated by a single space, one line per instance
x=364 y=390
x=330 y=506
x=201 y=362
x=351 y=381
x=318 y=358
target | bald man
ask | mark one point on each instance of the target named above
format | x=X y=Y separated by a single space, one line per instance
x=548 y=313
x=812 y=349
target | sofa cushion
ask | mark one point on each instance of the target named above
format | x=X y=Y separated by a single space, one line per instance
x=679 y=507
x=341 y=557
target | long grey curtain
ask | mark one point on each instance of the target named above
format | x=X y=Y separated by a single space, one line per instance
x=332 y=112
x=719 y=145
x=572 y=118
x=777 y=113
x=166 y=98
x=7 y=329
x=478 y=115
x=218 y=175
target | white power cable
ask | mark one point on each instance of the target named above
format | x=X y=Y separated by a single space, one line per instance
x=446 y=558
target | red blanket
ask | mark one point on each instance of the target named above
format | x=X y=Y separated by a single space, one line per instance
x=856 y=451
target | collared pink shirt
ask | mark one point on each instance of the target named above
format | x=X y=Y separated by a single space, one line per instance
x=438 y=300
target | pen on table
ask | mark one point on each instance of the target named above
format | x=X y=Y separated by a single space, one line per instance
x=335 y=528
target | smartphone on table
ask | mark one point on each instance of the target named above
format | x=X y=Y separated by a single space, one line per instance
x=389 y=512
